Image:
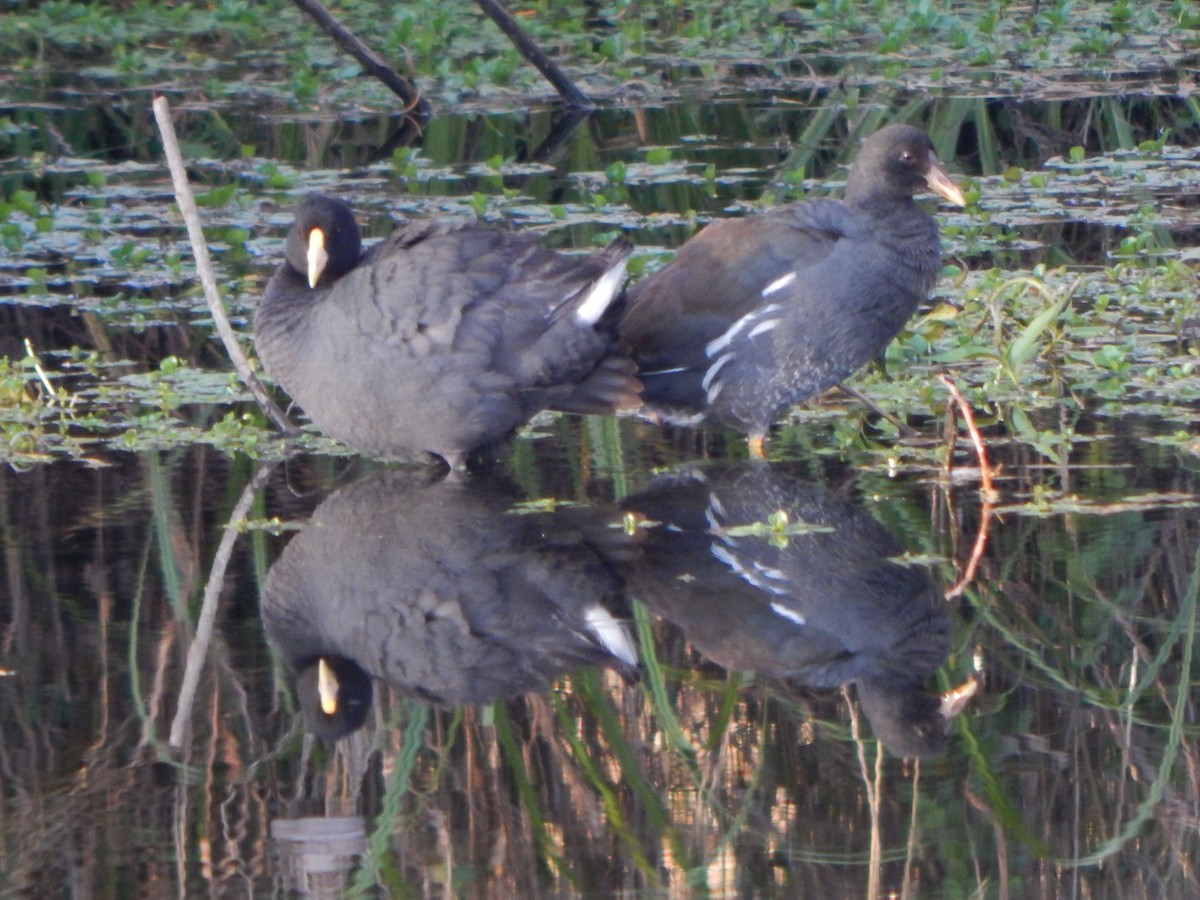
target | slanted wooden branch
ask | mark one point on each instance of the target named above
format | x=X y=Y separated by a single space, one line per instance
x=417 y=105
x=208 y=609
x=414 y=103
x=208 y=281
x=534 y=54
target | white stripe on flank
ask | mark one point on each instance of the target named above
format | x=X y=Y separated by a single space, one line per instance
x=601 y=295
x=762 y=327
x=779 y=284
x=714 y=512
x=727 y=557
x=770 y=572
x=611 y=633
x=752 y=578
x=714 y=369
x=716 y=345
x=788 y=613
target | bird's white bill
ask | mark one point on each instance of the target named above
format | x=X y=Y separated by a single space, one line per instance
x=317 y=257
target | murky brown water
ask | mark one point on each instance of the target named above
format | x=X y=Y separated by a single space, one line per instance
x=709 y=747
x=1079 y=627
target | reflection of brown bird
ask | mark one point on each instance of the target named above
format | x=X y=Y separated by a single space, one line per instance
x=756 y=314
x=442 y=338
x=820 y=608
x=444 y=591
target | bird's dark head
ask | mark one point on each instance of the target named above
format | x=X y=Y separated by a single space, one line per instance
x=896 y=163
x=910 y=721
x=324 y=243
x=335 y=696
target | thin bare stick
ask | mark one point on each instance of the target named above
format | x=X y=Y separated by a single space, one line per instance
x=911 y=845
x=414 y=104
x=901 y=427
x=191 y=217
x=208 y=609
x=873 y=789
x=534 y=54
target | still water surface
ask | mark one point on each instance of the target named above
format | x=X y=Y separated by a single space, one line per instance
x=1072 y=766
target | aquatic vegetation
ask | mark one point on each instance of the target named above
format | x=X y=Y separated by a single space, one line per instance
x=1096 y=320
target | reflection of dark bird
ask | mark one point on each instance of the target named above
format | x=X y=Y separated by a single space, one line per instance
x=442 y=338
x=820 y=608
x=756 y=314
x=445 y=591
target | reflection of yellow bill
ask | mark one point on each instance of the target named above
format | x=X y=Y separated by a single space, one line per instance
x=327 y=687
x=954 y=700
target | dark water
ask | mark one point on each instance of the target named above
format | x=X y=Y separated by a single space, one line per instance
x=1070 y=770
x=726 y=758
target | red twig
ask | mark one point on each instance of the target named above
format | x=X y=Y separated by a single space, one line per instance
x=985 y=472
x=985 y=488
